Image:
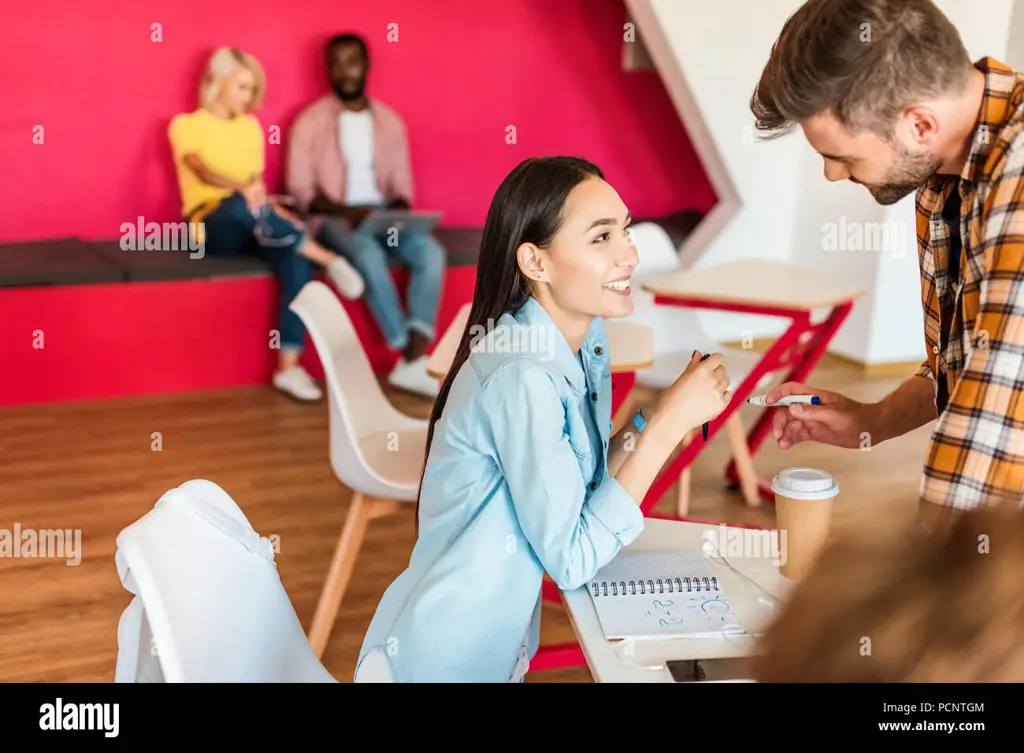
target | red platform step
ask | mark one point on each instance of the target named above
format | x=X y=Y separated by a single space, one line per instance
x=89 y=341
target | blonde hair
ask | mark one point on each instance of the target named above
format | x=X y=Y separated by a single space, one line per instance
x=945 y=605
x=221 y=66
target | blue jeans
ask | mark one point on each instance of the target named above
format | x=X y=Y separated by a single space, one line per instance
x=231 y=230
x=368 y=253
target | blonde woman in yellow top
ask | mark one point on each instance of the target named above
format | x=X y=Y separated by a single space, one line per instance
x=219 y=152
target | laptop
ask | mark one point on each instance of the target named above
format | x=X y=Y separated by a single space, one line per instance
x=381 y=221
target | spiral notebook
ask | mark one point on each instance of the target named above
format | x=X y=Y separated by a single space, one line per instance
x=648 y=594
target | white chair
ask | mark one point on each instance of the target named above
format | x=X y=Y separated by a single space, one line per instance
x=375 y=449
x=209 y=605
x=677 y=333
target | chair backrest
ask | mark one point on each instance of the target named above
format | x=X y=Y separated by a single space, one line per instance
x=675 y=328
x=657 y=254
x=358 y=407
x=209 y=605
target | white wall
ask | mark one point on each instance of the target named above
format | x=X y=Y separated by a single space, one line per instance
x=777 y=203
x=710 y=63
x=1015 y=42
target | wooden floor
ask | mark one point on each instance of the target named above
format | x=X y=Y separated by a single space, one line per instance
x=93 y=467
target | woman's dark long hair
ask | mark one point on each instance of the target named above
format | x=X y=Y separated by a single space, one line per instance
x=527 y=208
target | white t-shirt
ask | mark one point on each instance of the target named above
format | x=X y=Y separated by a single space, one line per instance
x=356 y=133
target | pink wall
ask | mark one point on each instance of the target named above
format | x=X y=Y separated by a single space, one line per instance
x=461 y=71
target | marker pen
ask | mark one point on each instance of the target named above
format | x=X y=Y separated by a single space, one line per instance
x=791 y=400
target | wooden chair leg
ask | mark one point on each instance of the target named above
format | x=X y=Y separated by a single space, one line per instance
x=360 y=513
x=745 y=470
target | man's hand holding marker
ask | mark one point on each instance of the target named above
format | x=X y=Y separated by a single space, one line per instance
x=791 y=400
x=817 y=415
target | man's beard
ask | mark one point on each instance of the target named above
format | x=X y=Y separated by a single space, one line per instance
x=909 y=174
x=349 y=95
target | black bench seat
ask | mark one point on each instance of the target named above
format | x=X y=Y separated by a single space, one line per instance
x=74 y=261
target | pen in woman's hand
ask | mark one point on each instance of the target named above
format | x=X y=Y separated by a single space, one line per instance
x=704 y=428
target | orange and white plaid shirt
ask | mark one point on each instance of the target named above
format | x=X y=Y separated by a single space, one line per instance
x=974 y=321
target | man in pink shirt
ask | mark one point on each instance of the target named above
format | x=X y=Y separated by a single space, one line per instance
x=347 y=155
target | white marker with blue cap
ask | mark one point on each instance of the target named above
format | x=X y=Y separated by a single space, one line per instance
x=782 y=401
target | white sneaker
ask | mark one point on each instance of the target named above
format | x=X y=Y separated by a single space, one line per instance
x=346 y=278
x=297 y=383
x=412 y=376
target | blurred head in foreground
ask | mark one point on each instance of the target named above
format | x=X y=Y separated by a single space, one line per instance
x=929 y=607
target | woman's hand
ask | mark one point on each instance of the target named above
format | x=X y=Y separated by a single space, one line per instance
x=255 y=195
x=697 y=396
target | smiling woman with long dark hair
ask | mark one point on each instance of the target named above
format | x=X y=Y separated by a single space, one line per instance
x=521 y=476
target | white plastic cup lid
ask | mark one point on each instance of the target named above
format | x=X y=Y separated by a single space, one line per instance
x=805 y=483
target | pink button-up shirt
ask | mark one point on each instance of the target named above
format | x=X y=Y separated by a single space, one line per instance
x=315 y=159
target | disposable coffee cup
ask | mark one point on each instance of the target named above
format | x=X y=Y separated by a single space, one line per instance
x=804 y=499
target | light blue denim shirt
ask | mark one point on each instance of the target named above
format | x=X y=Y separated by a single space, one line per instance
x=516 y=485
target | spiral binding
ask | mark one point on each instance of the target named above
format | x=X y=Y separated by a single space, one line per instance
x=656 y=586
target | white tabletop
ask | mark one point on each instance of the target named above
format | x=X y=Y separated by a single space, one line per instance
x=753 y=600
x=757 y=282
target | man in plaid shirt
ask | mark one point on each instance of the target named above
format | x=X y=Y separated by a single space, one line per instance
x=886 y=93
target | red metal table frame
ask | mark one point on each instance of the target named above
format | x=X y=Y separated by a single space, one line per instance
x=799 y=349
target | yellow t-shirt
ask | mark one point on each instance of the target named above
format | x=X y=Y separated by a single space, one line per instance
x=232 y=148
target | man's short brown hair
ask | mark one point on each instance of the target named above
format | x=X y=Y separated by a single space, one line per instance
x=936 y=606
x=864 y=60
